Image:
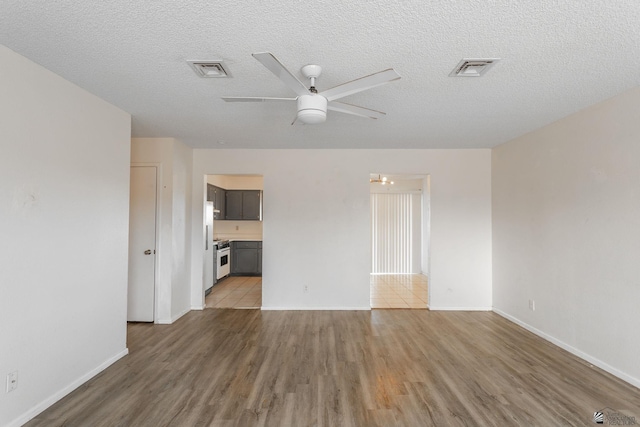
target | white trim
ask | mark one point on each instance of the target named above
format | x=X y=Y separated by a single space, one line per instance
x=173 y=318
x=198 y=307
x=314 y=308
x=179 y=315
x=582 y=355
x=36 y=410
x=203 y=239
x=460 y=308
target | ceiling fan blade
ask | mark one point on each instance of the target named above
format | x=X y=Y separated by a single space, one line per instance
x=276 y=67
x=355 y=110
x=253 y=99
x=358 y=85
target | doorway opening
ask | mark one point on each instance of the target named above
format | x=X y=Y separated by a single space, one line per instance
x=400 y=216
x=233 y=249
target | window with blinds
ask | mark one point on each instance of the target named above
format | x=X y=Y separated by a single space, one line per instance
x=391 y=233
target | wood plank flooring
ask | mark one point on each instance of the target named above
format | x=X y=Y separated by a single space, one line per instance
x=225 y=367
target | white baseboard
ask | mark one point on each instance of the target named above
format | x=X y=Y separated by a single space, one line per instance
x=432 y=308
x=582 y=355
x=34 y=411
x=179 y=315
x=314 y=308
x=198 y=307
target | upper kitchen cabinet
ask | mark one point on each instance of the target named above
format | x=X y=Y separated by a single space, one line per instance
x=210 y=193
x=252 y=205
x=220 y=204
x=243 y=205
x=234 y=204
x=218 y=197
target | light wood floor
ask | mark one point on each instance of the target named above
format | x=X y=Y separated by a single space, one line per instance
x=341 y=368
x=398 y=291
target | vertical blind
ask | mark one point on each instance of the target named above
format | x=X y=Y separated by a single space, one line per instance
x=391 y=233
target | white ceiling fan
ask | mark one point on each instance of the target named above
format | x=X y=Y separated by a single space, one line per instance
x=313 y=105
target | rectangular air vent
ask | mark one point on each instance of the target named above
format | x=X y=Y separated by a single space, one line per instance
x=209 y=69
x=473 y=67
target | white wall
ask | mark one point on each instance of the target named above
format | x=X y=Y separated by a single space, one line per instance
x=566 y=233
x=64 y=214
x=174 y=160
x=181 y=229
x=228 y=229
x=316 y=222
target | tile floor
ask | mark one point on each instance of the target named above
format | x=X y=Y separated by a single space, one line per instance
x=236 y=292
x=399 y=291
x=387 y=291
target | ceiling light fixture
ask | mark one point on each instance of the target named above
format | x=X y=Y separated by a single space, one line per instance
x=380 y=180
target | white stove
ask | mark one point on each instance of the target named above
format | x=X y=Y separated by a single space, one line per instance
x=223 y=258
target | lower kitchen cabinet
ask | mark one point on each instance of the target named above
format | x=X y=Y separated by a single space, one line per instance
x=246 y=258
x=260 y=259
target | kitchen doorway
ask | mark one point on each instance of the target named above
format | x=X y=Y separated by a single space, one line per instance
x=236 y=203
x=400 y=217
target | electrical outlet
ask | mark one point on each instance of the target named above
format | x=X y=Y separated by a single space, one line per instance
x=12 y=381
x=305 y=289
x=532 y=305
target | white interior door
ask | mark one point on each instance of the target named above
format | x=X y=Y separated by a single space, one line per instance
x=142 y=244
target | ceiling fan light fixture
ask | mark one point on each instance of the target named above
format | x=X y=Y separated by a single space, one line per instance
x=312 y=109
x=380 y=180
x=313 y=105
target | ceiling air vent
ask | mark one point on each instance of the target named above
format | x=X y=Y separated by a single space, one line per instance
x=473 y=67
x=209 y=69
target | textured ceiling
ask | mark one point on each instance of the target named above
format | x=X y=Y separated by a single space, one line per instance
x=557 y=58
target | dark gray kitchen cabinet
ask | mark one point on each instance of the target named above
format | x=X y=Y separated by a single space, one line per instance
x=217 y=196
x=220 y=203
x=260 y=259
x=246 y=258
x=243 y=205
x=234 y=205
x=251 y=205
